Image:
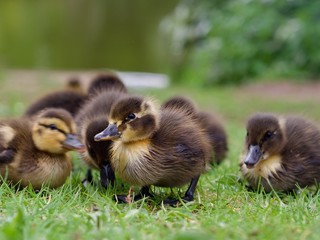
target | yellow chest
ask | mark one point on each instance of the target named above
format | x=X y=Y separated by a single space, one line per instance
x=264 y=168
x=129 y=154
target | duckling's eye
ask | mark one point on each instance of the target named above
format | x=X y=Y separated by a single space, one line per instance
x=267 y=135
x=131 y=116
x=52 y=127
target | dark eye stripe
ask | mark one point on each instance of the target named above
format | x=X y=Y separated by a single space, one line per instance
x=50 y=127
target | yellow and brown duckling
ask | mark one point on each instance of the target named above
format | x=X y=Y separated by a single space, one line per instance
x=281 y=153
x=68 y=99
x=92 y=119
x=164 y=148
x=36 y=152
x=210 y=124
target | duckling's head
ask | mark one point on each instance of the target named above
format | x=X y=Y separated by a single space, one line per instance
x=131 y=119
x=265 y=138
x=106 y=82
x=54 y=131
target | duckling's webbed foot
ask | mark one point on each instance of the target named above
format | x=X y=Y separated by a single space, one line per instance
x=188 y=196
x=107 y=176
x=144 y=192
x=88 y=179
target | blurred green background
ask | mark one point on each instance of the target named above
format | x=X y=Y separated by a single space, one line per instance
x=198 y=42
x=82 y=34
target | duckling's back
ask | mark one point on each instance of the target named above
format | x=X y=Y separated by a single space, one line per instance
x=216 y=134
x=66 y=99
x=107 y=82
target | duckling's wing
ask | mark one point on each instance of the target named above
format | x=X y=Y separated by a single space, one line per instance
x=7 y=156
x=188 y=152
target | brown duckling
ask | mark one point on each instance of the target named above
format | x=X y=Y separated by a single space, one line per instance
x=68 y=99
x=35 y=152
x=281 y=153
x=92 y=119
x=164 y=148
x=211 y=125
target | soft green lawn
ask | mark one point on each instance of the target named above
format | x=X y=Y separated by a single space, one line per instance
x=223 y=208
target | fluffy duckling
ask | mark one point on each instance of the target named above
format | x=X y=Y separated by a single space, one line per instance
x=281 y=153
x=35 y=153
x=92 y=119
x=164 y=148
x=70 y=100
x=211 y=125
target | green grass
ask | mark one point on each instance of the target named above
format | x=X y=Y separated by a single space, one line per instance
x=223 y=208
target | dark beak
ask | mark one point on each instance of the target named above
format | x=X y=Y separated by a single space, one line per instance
x=253 y=156
x=110 y=133
x=72 y=143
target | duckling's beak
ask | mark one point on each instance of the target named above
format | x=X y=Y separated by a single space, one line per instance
x=72 y=143
x=110 y=133
x=253 y=156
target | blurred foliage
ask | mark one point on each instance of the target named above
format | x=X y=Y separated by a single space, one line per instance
x=81 y=34
x=231 y=41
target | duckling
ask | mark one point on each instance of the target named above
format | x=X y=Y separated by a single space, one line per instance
x=106 y=82
x=211 y=125
x=161 y=147
x=281 y=153
x=68 y=99
x=96 y=154
x=92 y=119
x=36 y=152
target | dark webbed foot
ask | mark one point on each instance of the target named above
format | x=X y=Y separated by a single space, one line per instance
x=88 y=179
x=107 y=176
x=144 y=192
x=175 y=202
x=188 y=196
